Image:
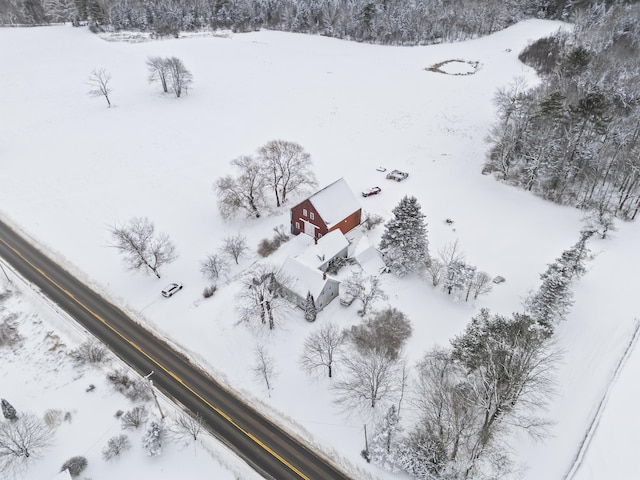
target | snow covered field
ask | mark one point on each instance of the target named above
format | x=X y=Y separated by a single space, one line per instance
x=70 y=168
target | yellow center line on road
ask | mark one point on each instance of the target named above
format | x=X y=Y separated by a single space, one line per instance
x=158 y=364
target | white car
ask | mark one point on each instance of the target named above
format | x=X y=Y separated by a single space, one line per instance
x=170 y=289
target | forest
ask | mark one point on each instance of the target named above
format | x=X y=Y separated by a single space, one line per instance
x=574 y=138
x=395 y=22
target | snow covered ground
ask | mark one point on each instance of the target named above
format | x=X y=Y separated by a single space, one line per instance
x=70 y=168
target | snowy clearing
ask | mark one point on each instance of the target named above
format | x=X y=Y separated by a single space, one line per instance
x=71 y=168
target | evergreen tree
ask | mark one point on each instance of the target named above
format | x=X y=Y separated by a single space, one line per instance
x=384 y=449
x=404 y=242
x=8 y=411
x=551 y=303
x=574 y=259
x=310 y=311
x=152 y=440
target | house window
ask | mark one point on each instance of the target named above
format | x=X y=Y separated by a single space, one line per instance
x=311 y=216
x=297 y=225
x=304 y=212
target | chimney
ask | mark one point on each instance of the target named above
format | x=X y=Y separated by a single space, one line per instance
x=324 y=275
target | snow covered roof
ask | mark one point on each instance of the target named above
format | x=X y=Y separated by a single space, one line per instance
x=327 y=247
x=370 y=260
x=335 y=202
x=304 y=278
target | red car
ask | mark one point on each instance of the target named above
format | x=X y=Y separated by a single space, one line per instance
x=371 y=191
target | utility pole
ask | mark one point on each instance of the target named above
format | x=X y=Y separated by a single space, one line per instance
x=153 y=392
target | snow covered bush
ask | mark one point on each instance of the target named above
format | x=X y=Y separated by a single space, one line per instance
x=115 y=446
x=134 y=389
x=90 y=352
x=135 y=417
x=75 y=465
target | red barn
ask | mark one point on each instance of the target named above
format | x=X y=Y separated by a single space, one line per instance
x=334 y=207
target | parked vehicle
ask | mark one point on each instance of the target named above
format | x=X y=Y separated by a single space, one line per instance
x=397 y=175
x=371 y=191
x=171 y=289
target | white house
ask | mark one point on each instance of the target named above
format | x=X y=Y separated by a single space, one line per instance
x=303 y=279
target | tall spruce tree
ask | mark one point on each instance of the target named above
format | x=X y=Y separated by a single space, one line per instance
x=8 y=411
x=551 y=303
x=310 y=311
x=404 y=242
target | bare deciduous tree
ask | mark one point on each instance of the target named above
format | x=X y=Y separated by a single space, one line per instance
x=179 y=78
x=264 y=367
x=99 y=83
x=235 y=246
x=187 y=427
x=261 y=296
x=435 y=271
x=213 y=266
x=158 y=71
x=386 y=332
x=287 y=168
x=367 y=379
x=481 y=284
x=141 y=247
x=244 y=192
x=22 y=441
x=135 y=418
x=115 y=446
x=321 y=348
x=366 y=289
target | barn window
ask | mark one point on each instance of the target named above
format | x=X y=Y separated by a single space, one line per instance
x=297 y=225
x=304 y=212
x=311 y=216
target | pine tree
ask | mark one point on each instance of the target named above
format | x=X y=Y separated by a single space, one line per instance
x=404 y=242
x=8 y=411
x=310 y=311
x=575 y=258
x=152 y=440
x=384 y=446
x=551 y=303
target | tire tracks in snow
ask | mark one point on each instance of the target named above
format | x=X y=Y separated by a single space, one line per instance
x=595 y=421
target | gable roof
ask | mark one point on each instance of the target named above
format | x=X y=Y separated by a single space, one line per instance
x=327 y=247
x=304 y=278
x=335 y=202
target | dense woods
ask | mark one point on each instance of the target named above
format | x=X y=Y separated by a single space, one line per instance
x=574 y=138
x=395 y=22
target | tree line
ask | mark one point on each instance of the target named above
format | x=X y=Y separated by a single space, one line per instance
x=377 y=21
x=574 y=139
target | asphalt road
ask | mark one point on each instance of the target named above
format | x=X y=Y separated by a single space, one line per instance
x=270 y=450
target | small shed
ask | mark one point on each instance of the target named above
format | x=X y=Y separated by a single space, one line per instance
x=335 y=207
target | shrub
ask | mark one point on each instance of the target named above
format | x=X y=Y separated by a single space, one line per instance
x=9 y=334
x=135 y=418
x=115 y=446
x=209 y=291
x=53 y=418
x=371 y=220
x=133 y=389
x=90 y=352
x=267 y=247
x=75 y=465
